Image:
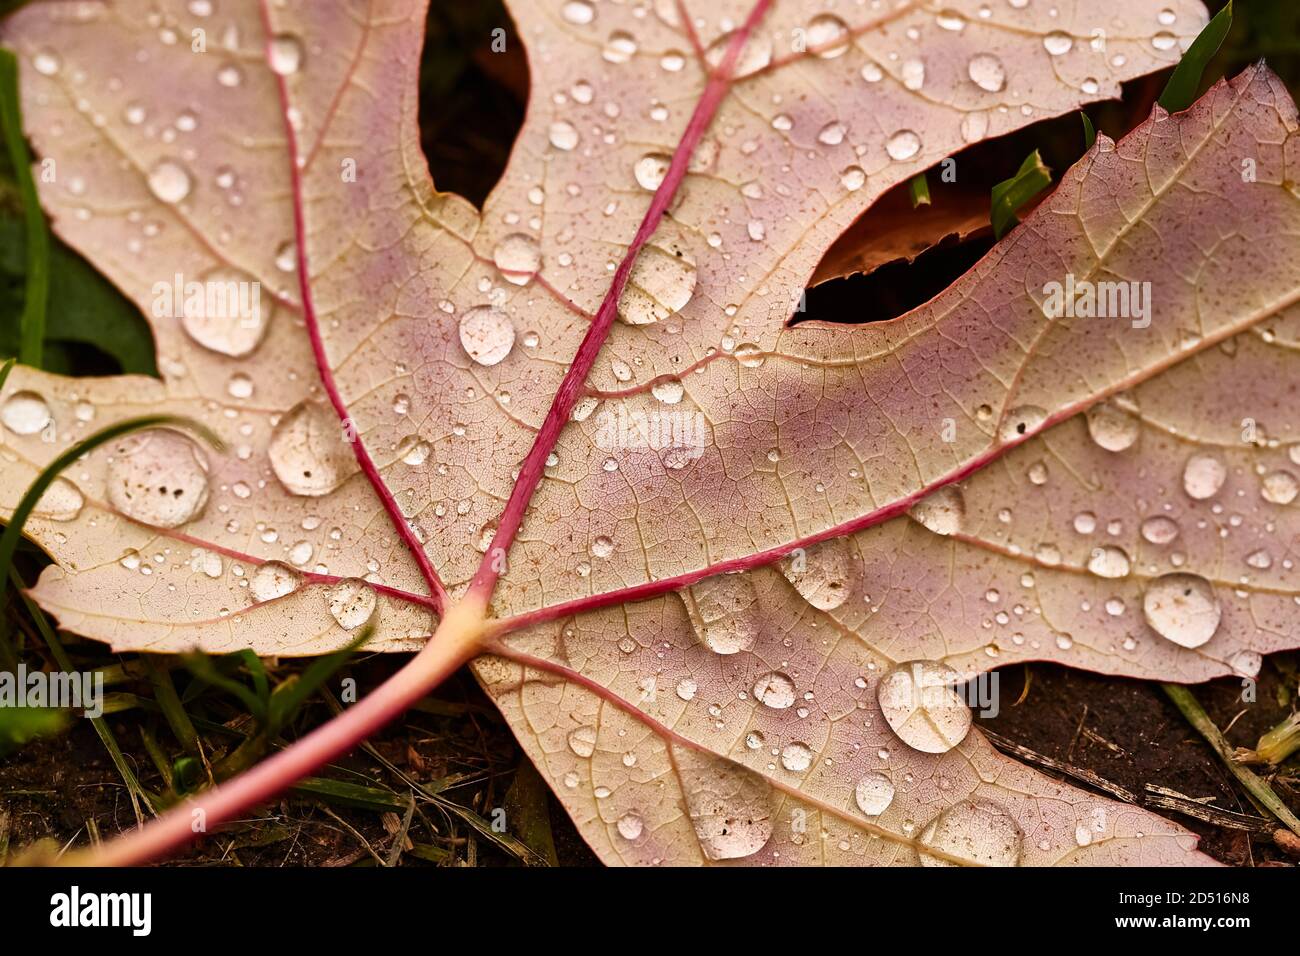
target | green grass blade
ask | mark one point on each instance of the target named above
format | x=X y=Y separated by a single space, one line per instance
x=1012 y=194
x=919 y=189
x=32 y=341
x=51 y=638
x=1186 y=702
x=169 y=702
x=1089 y=131
x=1180 y=91
x=289 y=696
x=13 y=531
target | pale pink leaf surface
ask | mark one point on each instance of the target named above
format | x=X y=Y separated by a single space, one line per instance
x=808 y=433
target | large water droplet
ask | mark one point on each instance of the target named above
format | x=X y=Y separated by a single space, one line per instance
x=796 y=756
x=987 y=72
x=224 y=312
x=1058 y=43
x=874 y=793
x=352 y=602
x=25 y=413
x=941 y=511
x=775 y=690
x=1109 y=562
x=730 y=806
x=61 y=501
x=921 y=707
x=563 y=136
x=756 y=55
x=903 y=145
x=518 y=256
x=1021 y=421
x=308 y=452
x=274 y=579
x=1280 y=488
x=977 y=832
x=1159 y=529
x=827 y=36
x=1203 y=476
x=651 y=169
x=821 y=573
x=661 y=283
x=630 y=826
x=724 y=612
x=487 y=334
x=1182 y=608
x=170 y=181
x=158 y=477
x=582 y=741
x=620 y=47
x=1112 y=428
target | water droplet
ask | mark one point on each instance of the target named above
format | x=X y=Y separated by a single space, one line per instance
x=284 y=54
x=987 y=72
x=1182 y=608
x=620 y=47
x=169 y=181
x=874 y=793
x=950 y=20
x=1164 y=40
x=724 y=612
x=228 y=316
x=1203 y=476
x=1279 y=488
x=903 y=145
x=563 y=135
x=853 y=178
x=941 y=511
x=46 y=62
x=308 y=452
x=486 y=334
x=1021 y=421
x=796 y=757
x=755 y=56
x=61 y=501
x=921 y=707
x=582 y=741
x=602 y=547
x=630 y=826
x=913 y=74
x=1159 y=529
x=352 y=602
x=821 y=573
x=1058 y=43
x=274 y=579
x=775 y=690
x=972 y=831
x=1109 y=562
x=827 y=36
x=158 y=477
x=518 y=256
x=651 y=169
x=580 y=12
x=669 y=392
x=660 y=285
x=1112 y=428
x=687 y=688
x=730 y=806
x=25 y=413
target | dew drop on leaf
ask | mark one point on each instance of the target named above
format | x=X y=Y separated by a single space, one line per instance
x=921 y=707
x=158 y=477
x=1058 y=43
x=1111 y=428
x=518 y=256
x=25 y=413
x=669 y=391
x=903 y=145
x=821 y=573
x=229 y=316
x=755 y=56
x=1279 y=488
x=351 y=602
x=630 y=826
x=62 y=501
x=582 y=741
x=775 y=690
x=942 y=511
x=730 y=806
x=1021 y=421
x=796 y=756
x=979 y=832
x=170 y=181
x=284 y=54
x=724 y=612
x=274 y=579
x=651 y=169
x=1182 y=608
x=987 y=72
x=1109 y=562
x=660 y=285
x=1203 y=476
x=874 y=793
x=308 y=452
x=486 y=334
x=1159 y=529
x=827 y=36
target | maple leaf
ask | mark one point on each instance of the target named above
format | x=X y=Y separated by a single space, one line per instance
x=720 y=573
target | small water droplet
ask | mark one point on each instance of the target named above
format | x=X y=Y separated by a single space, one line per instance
x=308 y=452
x=827 y=36
x=1058 y=43
x=25 y=413
x=974 y=831
x=284 y=54
x=987 y=72
x=874 y=793
x=352 y=603
x=518 y=256
x=660 y=285
x=1112 y=428
x=1203 y=476
x=942 y=511
x=775 y=690
x=1159 y=529
x=821 y=573
x=158 y=477
x=651 y=169
x=170 y=181
x=724 y=612
x=487 y=334
x=921 y=707
x=1109 y=562
x=903 y=145
x=273 y=580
